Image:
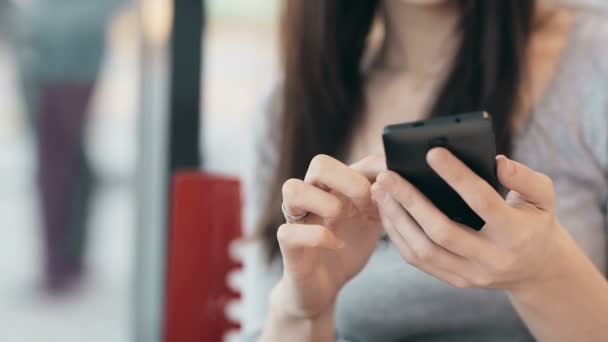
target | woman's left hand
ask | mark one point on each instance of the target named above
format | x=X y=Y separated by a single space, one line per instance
x=519 y=245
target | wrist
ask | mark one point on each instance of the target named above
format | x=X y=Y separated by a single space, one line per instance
x=569 y=303
x=562 y=269
x=284 y=303
x=285 y=319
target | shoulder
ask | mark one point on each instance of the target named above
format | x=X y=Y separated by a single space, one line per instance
x=576 y=103
x=590 y=38
x=585 y=61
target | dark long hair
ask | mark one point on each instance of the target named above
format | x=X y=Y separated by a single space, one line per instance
x=323 y=44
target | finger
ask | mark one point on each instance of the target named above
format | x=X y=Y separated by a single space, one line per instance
x=532 y=186
x=408 y=255
x=327 y=172
x=370 y=166
x=302 y=245
x=404 y=249
x=293 y=237
x=425 y=251
x=438 y=227
x=475 y=191
x=300 y=198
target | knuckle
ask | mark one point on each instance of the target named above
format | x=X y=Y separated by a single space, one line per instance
x=283 y=234
x=441 y=235
x=319 y=167
x=319 y=236
x=319 y=162
x=333 y=209
x=291 y=188
x=409 y=257
x=426 y=253
x=406 y=198
x=361 y=189
x=315 y=243
x=479 y=203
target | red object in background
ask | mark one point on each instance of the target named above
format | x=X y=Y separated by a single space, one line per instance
x=205 y=218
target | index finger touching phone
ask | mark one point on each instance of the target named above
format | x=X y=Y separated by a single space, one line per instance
x=370 y=167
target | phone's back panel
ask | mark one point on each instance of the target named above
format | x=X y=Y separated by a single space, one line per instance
x=469 y=137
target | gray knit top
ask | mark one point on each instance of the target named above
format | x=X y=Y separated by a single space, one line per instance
x=565 y=137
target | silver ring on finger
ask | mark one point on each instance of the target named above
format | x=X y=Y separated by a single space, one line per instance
x=293 y=218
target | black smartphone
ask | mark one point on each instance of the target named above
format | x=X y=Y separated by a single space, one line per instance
x=470 y=137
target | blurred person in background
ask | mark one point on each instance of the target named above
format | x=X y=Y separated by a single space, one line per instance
x=364 y=256
x=60 y=47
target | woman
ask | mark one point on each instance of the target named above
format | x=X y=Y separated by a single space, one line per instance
x=534 y=271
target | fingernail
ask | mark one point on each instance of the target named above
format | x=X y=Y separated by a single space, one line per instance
x=341 y=244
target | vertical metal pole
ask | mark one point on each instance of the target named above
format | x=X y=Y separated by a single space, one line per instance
x=152 y=171
x=186 y=66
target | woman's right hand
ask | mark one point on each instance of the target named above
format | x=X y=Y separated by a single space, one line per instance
x=335 y=240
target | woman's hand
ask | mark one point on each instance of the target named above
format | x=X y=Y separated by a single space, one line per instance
x=335 y=240
x=520 y=244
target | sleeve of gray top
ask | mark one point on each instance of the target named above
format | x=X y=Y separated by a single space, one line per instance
x=259 y=275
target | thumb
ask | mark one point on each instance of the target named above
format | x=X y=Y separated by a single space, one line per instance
x=533 y=187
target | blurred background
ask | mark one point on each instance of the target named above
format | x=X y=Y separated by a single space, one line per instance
x=71 y=115
x=85 y=89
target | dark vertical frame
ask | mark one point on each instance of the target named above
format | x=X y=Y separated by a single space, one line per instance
x=185 y=88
